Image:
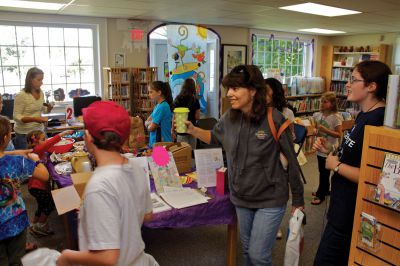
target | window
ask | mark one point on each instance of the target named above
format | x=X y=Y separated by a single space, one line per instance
x=281 y=57
x=65 y=54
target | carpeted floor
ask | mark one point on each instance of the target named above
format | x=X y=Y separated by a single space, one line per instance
x=207 y=245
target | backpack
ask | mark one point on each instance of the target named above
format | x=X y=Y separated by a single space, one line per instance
x=277 y=135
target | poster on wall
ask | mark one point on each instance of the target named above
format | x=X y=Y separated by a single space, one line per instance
x=233 y=55
x=187 y=48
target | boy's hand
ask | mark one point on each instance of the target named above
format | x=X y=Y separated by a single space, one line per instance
x=33 y=156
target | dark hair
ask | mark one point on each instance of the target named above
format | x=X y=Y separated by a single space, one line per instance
x=375 y=71
x=165 y=91
x=188 y=92
x=110 y=141
x=250 y=77
x=278 y=94
x=32 y=137
x=32 y=73
x=5 y=129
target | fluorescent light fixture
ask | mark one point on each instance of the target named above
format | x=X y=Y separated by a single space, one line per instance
x=31 y=4
x=323 y=31
x=321 y=10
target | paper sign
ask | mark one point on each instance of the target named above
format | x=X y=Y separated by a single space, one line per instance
x=207 y=162
x=69 y=112
x=66 y=199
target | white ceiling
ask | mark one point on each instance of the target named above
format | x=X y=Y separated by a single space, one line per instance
x=378 y=16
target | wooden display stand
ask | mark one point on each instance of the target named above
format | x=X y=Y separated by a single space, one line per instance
x=377 y=141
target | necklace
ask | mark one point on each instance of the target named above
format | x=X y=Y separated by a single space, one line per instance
x=372 y=106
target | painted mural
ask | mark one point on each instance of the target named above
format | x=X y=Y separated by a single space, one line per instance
x=187 y=48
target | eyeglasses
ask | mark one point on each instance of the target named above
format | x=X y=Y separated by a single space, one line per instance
x=353 y=79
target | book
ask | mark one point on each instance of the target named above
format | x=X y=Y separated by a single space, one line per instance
x=183 y=197
x=392 y=110
x=369 y=230
x=388 y=189
x=207 y=162
x=164 y=176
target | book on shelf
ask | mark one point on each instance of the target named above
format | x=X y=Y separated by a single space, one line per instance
x=392 y=111
x=369 y=231
x=388 y=189
x=341 y=74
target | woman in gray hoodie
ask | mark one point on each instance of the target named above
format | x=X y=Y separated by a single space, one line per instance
x=258 y=183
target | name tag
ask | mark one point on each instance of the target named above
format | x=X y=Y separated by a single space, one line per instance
x=261 y=134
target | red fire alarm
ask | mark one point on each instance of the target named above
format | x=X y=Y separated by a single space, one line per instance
x=136 y=35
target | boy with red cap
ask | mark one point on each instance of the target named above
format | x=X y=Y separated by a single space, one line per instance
x=116 y=199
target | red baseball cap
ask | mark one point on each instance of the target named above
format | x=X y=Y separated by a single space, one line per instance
x=104 y=116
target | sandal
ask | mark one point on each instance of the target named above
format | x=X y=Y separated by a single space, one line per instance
x=30 y=247
x=316 y=201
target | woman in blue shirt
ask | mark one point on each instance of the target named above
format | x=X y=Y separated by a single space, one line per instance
x=159 y=122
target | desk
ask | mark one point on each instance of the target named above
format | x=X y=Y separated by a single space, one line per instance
x=63 y=127
x=219 y=210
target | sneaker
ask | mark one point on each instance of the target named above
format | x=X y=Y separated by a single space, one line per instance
x=279 y=235
x=40 y=229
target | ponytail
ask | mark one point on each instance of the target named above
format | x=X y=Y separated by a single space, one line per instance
x=165 y=91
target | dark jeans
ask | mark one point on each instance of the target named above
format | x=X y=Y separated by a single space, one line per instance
x=334 y=248
x=324 y=175
x=12 y=250
x=44 y=200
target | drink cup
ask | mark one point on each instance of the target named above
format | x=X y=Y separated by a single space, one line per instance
x=181 y=115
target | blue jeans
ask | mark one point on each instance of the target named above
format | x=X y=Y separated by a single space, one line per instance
x=258 y=229
x=20 y=142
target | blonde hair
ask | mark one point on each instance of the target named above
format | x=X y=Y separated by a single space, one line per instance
x=32 y=73
x=330 y=96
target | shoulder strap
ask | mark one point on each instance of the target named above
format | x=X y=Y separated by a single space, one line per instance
x=271 y=123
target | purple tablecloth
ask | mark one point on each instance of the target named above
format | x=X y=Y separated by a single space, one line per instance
x=218 y=210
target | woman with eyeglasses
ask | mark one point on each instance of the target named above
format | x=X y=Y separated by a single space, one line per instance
x=258 y=183
x=367 y=87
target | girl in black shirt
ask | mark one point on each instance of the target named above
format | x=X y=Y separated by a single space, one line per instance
x=367 y=87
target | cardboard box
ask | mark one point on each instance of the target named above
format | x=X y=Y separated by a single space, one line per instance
x=182 y=153
x=80 y=180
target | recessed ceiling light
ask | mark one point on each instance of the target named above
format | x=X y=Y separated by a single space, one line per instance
x=322 y=10
x=31 y=4
x=323 y=31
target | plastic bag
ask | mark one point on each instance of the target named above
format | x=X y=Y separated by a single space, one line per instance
x=41 y=257
x=295 y=240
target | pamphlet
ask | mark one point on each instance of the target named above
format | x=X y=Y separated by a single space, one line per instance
x=184 y=197
x=207 y=162
x=158 y=204
x=388 y=189
x=164 y=175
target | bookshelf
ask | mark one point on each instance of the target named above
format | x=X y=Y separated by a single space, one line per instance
x=377 y=141
x=119 y=86
x=305 y=104
x=142 y=77
x=337 y=66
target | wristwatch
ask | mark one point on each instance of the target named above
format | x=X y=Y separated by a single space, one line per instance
x=336 y=169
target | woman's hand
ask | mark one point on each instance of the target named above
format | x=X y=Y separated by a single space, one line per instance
x=331 y=162
x=190 y=128
x=49 y=107
x=320 y=145
x=43 y=119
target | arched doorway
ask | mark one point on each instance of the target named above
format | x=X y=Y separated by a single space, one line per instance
x=181 y=51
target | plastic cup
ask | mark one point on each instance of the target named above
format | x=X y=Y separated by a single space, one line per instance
x=181 y=115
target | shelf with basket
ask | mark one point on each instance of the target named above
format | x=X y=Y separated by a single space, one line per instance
x=119 y=86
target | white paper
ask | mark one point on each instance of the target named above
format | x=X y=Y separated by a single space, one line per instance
x=183 y=198
x=143 y=163
x=158 y=204
x=164 y=175
x=207 y=162
x=66 y=199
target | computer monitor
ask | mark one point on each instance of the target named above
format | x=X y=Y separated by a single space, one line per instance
x=82 y=102
x=8 y=108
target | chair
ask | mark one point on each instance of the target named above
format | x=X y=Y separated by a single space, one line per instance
x=300 y=132
x=208 y=124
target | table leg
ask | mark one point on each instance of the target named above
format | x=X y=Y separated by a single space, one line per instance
x=231 y=245
x=70 y=239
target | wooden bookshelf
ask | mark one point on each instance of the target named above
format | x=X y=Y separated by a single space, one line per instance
x=377 y=141
x=142 y=77
x=119 y=86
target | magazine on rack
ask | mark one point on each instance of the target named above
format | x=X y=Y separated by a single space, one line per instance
x=388 y=189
